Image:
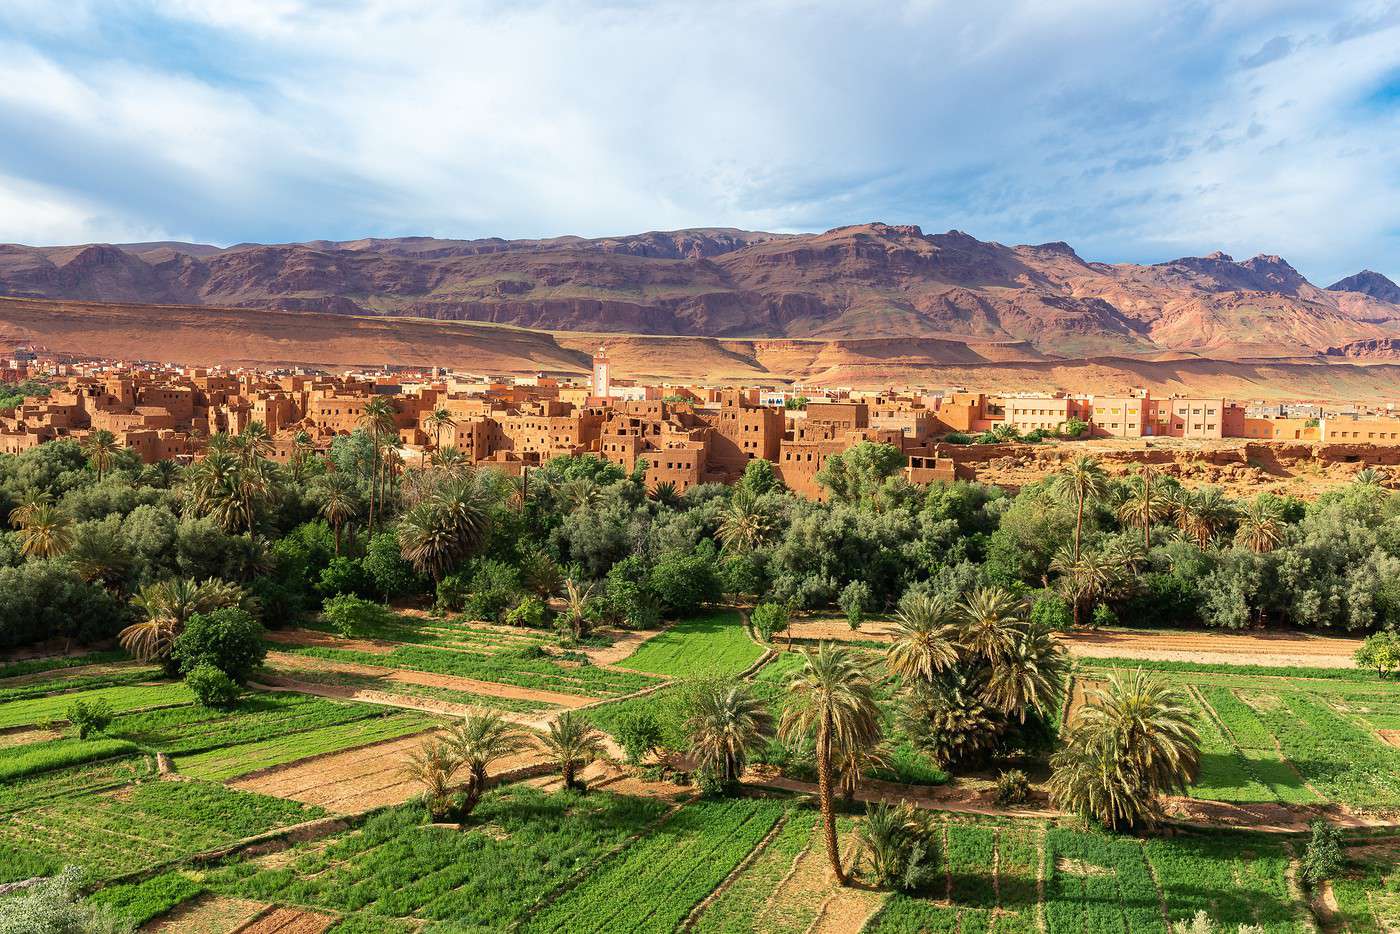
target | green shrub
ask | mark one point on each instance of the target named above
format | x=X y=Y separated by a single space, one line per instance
x=628 y=599
x=1323 y=858
x=1073 y=428
x=353 y=616
x=230 y=639
x=90 y=716
x=638 y=733
x=1012 y=788
x=529 y=612
x=1104 y=616
x=1380 y=651
x=211 y=687
x=495 y=588
x=854 y=599
x=343 y=575
x=769 y=618
x=54 y=907
x=957 y=437
x=1051 y=611
x=453 y=592
x=684 y=582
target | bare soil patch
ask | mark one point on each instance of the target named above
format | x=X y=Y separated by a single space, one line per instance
x=357 y=779
x=1271 y=649
x=391 y=676
x=1390 y=736
x=310 y=638
x=1079 y=692
x=27 y=735
x=207 y=914
x=289 y=921
x=625 y=642
x=1077 y=867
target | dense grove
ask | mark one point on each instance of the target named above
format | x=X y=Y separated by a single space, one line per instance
x=88 y=531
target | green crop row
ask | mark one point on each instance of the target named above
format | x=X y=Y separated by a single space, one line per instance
x=1322 y=674
x=1232 y=878
x=1258 y=747
x=36 y=665
x=520 y=845
x=1226 y=774
x=22 y=793
x=404 y=689
x=540 y=674
x=653 y=885
x=58 y=753
x=135 y=697
x=78 y=681
x=737 y=910
x=139 y=902
x=1344 y=762
x=185 y=730
x=228 y=762
x=716 y=645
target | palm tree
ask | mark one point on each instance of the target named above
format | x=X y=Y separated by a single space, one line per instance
x=745 y=523
x=303 y=447
x=1370 y=476
x=891 y=845
x=727 y=724
x=453 y=522
x=339 y=502
x=437 y=420
x=578 y=492
x=479 y=740
x=434 y=765
x=573 y=742
x=831 y=701
x=1083 y=579
x=1031 y=676
x=540 y=574
x=925 y=639
x=229 y=487
x=1131 y=742
x=1203 y=513
x=101 y=556
x=101 y=448
x=47 y=532
x=991 y=622
x=1261 y=525
x=27 y=504
x=1081 y=482
x=1145 y=504
x=449 y=458
x=167 y=606
x=575 y=613
x=377 y=419
x=664 y=495
x=253 y=443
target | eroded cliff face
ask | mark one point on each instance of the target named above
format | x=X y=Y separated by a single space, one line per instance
x=863 y=281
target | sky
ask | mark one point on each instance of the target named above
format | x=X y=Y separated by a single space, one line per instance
x=1135 y=131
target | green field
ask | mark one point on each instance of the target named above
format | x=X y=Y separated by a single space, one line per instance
x=122 y=698
x=404 y=689
x=715 y=645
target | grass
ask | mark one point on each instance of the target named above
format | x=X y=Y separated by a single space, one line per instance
x=716 y=645
x=20 y=761
x=139 y=902
x=738 y=908
x=1321 y=674
x=131 y=697
x=78 y=681
x=36 y=665
x=1368 y=891
x=404 y=689
x=521 y=846
x=135 y=827
x=503 y=668
x=228 y=762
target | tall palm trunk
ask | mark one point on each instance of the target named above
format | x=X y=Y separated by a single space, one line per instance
x=833 y=852
x=373 y=477
x=337 y=539
x=1078 y=525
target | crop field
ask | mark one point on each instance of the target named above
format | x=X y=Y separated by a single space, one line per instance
x=351 y=681
x=1368 y=891
x=119 y=830
x=711 y=646
x=523 y=845
x=81 y=679
x=991 y=875
x=460 y=633
x=122 y=698
x=1295 y=740
x=502 y=668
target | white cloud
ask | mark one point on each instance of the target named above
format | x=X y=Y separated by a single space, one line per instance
x=1129 y=129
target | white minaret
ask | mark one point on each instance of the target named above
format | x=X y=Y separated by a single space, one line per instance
x=602 y=373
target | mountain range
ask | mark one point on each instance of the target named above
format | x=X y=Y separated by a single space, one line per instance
x=867 y=281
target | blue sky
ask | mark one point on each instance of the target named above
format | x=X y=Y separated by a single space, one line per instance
x=1134 y=131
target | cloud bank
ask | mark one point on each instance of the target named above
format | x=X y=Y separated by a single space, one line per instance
x=1136 y=131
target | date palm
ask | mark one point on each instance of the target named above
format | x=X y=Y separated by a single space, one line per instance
x=664 y=495
x=1147 y=502
x=1261 y=525
x=1202 y=514
x=577 y=493
x=991 y=621
x=101 y=556
x=745 y=523
x=254 y=442
x=831 y=702
x=101 y=449
x=434 y=765
x=726 y=725
x=436 y=420
x=303 y=447
x=1029 y=677
x=338 y=502
x=925 y=637
x=1130 y=743
x=573 y=742
x=229 y=487
x=29 y=502
x=449 y=458
x=46 y=531
x=377 y=420
x=479 y=740
x=452 y=523
x=575 y=612
x=1082 y=579
x=167 y=606
x=1080 y=483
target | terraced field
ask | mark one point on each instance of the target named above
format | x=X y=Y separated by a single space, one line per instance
x=715 y=645
x=1314 y=737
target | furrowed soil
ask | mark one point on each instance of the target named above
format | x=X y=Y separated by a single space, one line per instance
x=207 y=914
x=290 y=921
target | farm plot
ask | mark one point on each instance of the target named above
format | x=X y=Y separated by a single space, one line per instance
x=746 y=906
x=503 y=668
x=991 y=876
x=1367 y=893
x=128 y=697
x=653 y=884
x=520 y=846
x=79 y=679
x=134 y=827
x=226 y=762
x=417 y=630
x=388 y=684
x=716 y=645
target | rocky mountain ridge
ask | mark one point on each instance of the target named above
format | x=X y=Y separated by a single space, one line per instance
x=863 y=281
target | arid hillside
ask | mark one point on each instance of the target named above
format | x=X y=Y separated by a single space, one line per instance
x=239 y=336
x=859 y=282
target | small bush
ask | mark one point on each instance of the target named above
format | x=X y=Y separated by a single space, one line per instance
x=529 y=612
x=453 y=591
x=854 y=599
x=1104 y=616
x=957 y=437
x=1012 y=788
x=769 y=618
x=211 y=687
x=352 y=616
x=638 y=733
x=527 y=652
x=1051 y=611
x=54 y=906
x=230 y=639
x=1323 y=858
x=495 y=588
x=90 y=716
